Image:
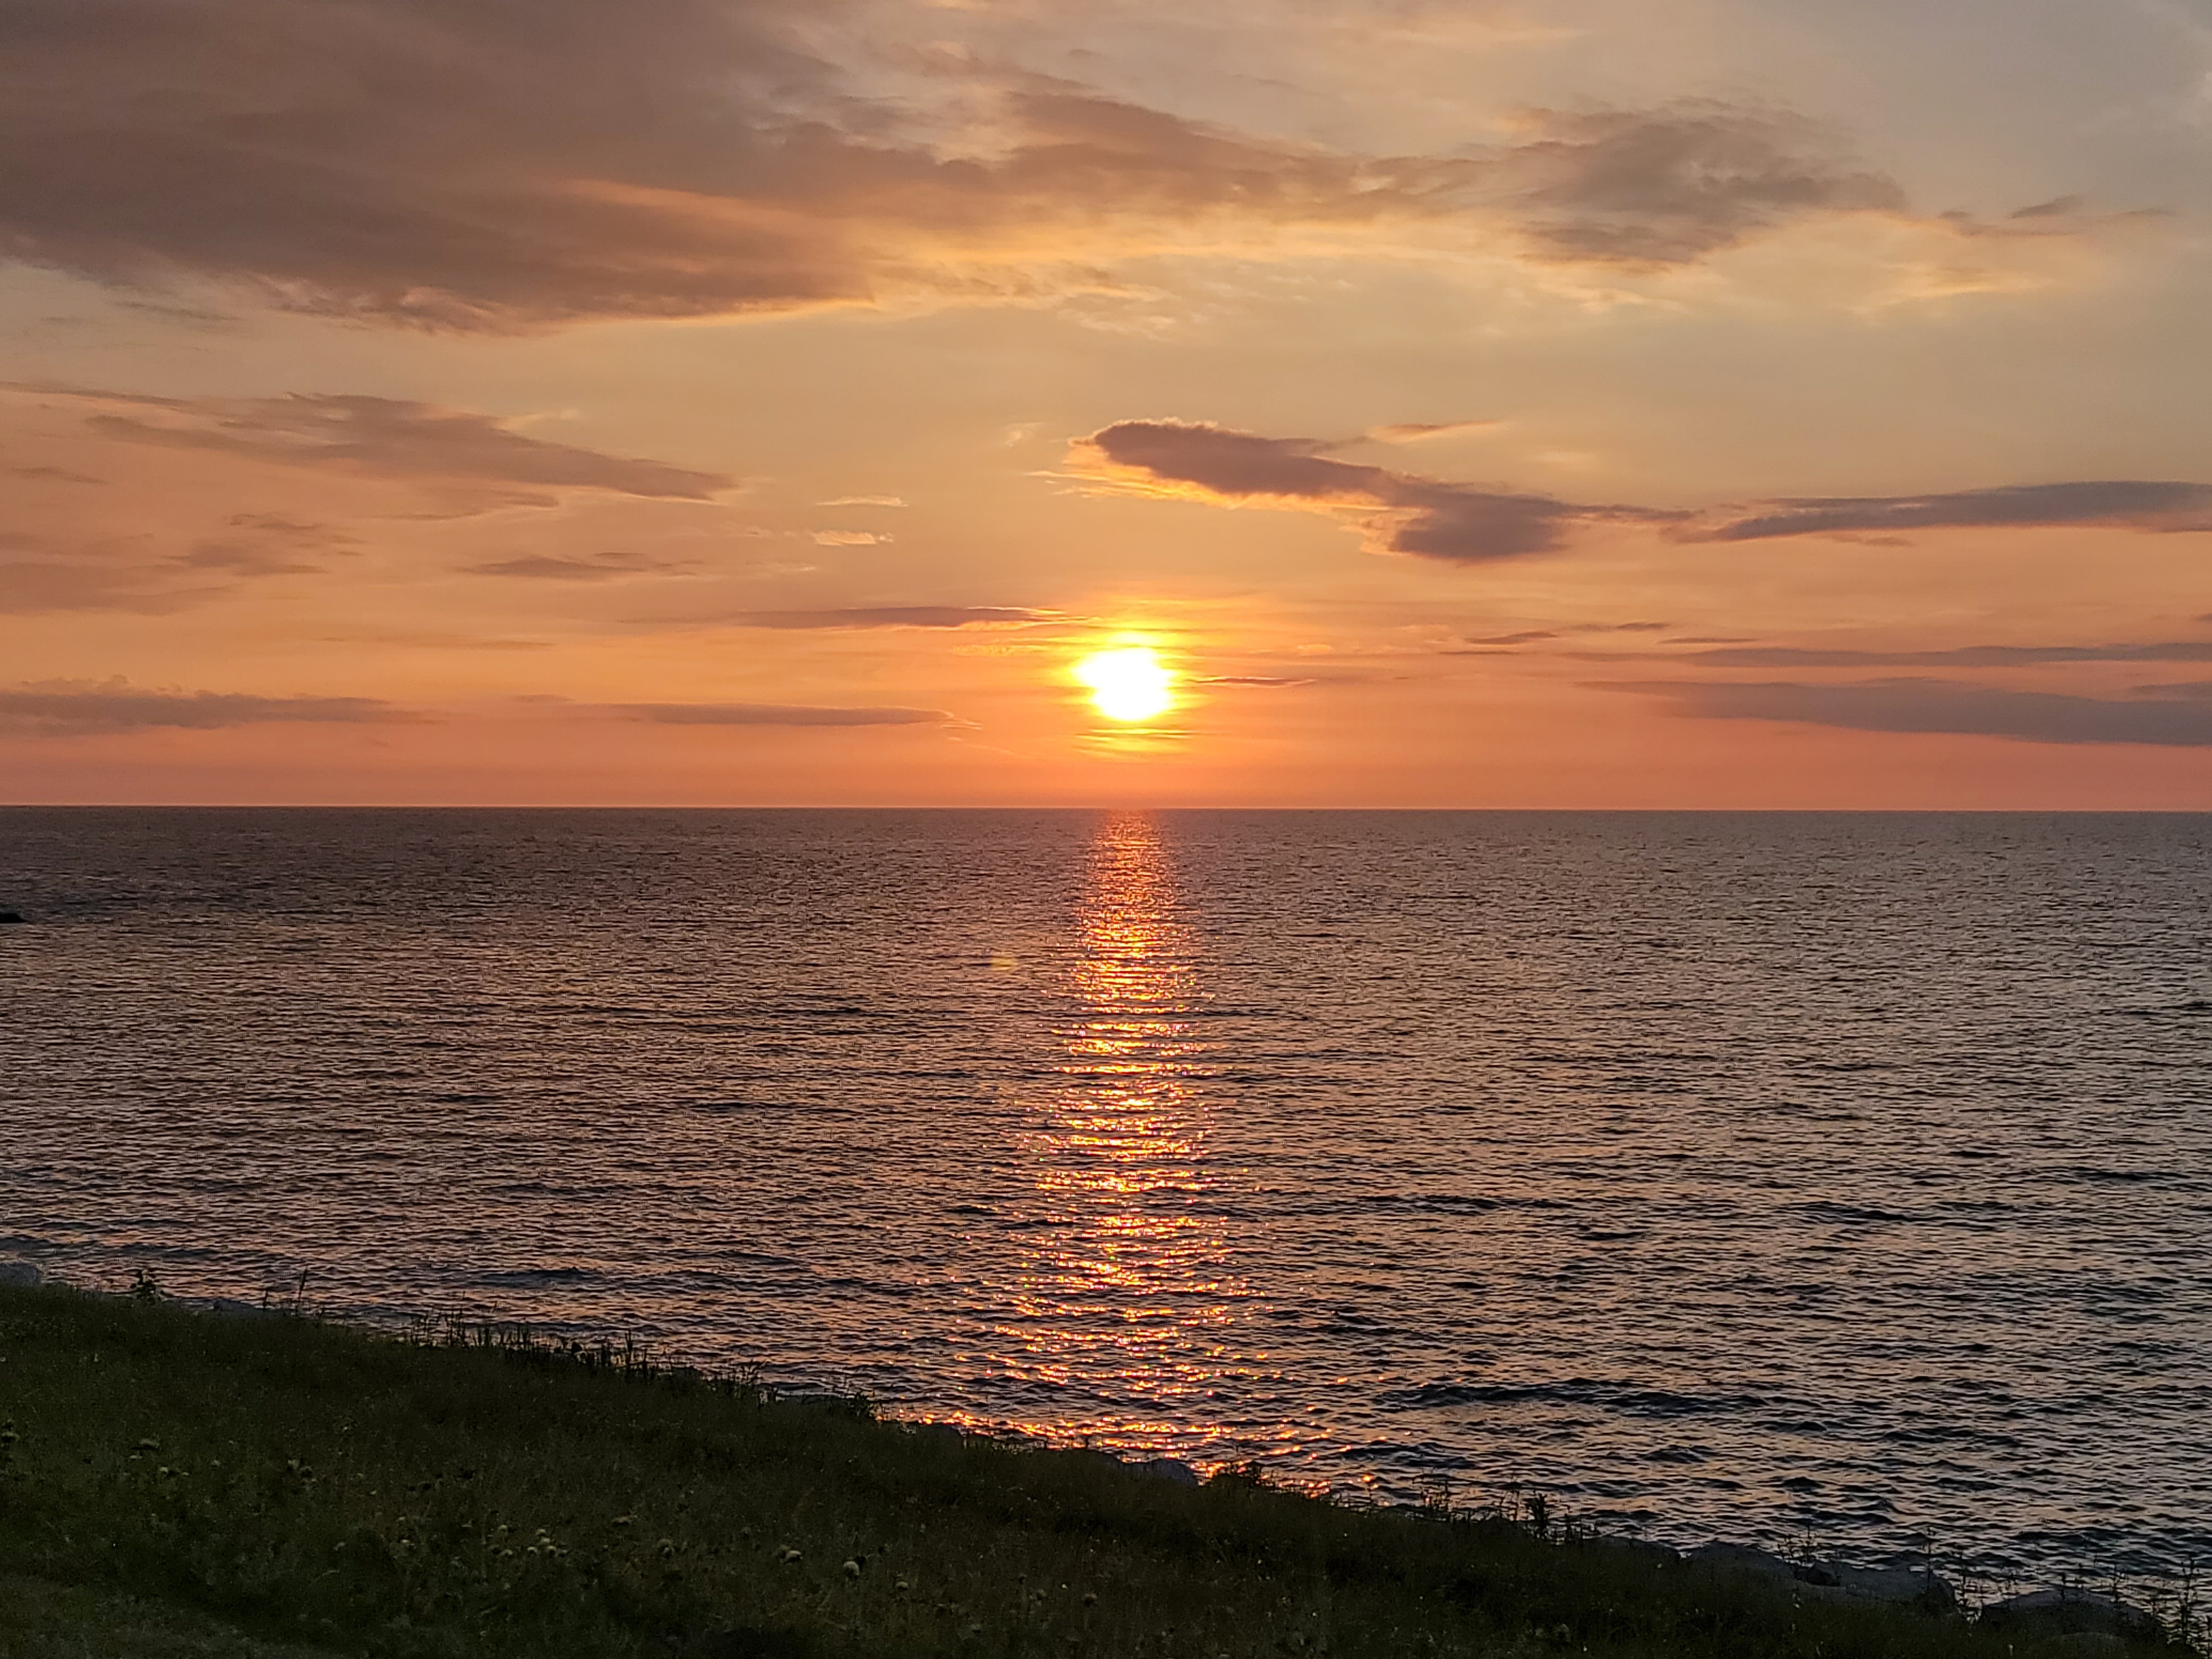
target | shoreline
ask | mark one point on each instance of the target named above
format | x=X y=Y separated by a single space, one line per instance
x=1925 y=1600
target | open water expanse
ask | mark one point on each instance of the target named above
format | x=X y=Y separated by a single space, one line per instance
x=1716 y=1174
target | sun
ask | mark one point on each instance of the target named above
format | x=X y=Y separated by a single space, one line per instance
x=1127 y=684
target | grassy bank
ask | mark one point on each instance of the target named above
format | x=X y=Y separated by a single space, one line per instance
x=180 y=1483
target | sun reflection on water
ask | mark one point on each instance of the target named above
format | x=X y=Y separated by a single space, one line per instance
x=1124 y=1299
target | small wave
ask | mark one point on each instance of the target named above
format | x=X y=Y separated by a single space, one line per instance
x=1575 y=1391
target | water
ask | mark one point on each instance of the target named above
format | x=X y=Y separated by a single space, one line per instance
x=1715 y=1174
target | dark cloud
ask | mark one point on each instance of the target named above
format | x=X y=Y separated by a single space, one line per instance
x=55 y=474
x=501 y=164
x=1271 y=681
x=1465 y=523
x=1529 y=637
x=1643 y=188
x=2127 y=504
x=897 y=615
x=768 y=714
x=393 y=438
x=1943 y=706
x=598 y=568
x=1457 y=523
x=2199 y=689
x=1966 y=656
x=82 y=708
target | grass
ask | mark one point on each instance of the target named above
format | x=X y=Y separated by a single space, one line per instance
x=175 y=1483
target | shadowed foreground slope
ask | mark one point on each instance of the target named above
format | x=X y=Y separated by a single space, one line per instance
x=179 y=1484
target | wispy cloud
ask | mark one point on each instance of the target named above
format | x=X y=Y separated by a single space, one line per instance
x=390 y=438
x=894 y=616
x=1414 y=432
x=1941 y=706
x=2132 y=504
x=593 y=567
x=96 y=709
x=768 y=714
x=1965 y=656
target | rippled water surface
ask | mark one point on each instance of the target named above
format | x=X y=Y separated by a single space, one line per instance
x=1727 y=1174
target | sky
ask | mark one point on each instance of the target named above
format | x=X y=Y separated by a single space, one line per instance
x=1553 y=404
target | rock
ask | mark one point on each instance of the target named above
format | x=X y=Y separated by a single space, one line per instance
x=1741 y=1557
x=9 y=916
x=1833 y=1581
x=1641 y=1548
x=2073 y=1611
x=1171 y=1470
x=1901 y=1585
x=24 y=1273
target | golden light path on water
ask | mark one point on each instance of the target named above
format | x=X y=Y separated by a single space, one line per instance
x=1126 y=1296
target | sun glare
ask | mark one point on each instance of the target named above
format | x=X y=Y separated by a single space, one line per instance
x=1127 y=684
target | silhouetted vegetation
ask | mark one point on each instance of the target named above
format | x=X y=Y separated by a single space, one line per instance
x=180 y=1483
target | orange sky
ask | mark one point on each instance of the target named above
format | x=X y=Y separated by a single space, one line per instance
x=1728 y=402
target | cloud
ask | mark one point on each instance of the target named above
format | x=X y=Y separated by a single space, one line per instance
x=596 y=567
x=897 y=615
x=862 y=500
x=33 y=587
x=512 y=164
x=2119 y=503
x=115 y=576
x=89 y=708
x=848 y=538
x=393 y=438
x=1456 y=523
x=1462 y=523
x=1650 y=189
x=1967 y=656
x=1942 y=706
x=1414 y=433
x=766 y=713
x=1267 y=680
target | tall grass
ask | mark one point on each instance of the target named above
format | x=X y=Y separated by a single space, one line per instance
x=474 y=1489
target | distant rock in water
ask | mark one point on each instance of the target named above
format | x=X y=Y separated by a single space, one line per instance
x=8 y=916
x=23 y=1274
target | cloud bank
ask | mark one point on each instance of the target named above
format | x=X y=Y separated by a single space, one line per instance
x=507 y=164
x=1469 y=524
x=1943 y=706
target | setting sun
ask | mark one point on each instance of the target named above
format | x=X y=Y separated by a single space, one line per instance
x=1127 y=684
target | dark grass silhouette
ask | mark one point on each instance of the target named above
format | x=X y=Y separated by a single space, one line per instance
x=181 y=1483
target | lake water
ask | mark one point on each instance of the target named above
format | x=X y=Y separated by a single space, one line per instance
x=1727 y=1175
